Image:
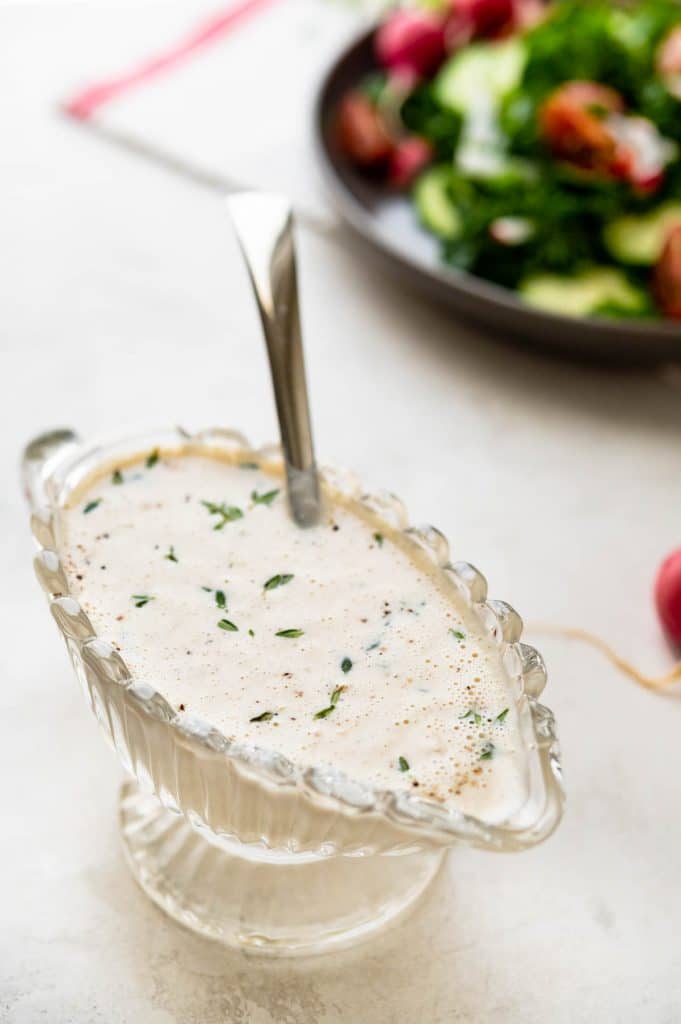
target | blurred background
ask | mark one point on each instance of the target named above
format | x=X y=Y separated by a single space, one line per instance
x=123 y=303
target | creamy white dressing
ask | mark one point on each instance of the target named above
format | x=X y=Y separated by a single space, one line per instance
x=334 y=645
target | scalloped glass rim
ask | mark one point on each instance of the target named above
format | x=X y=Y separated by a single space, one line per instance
x=52 y=471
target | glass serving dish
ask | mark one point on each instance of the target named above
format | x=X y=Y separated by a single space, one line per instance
x=236 y=842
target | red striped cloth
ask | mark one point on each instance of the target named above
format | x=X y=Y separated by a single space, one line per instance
x=87 y=101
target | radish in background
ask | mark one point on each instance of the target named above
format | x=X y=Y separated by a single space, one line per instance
x=668 y=595
x=411 y=41
x=408 y=159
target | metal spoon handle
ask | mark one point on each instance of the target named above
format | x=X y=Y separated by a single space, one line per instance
x=264 y=229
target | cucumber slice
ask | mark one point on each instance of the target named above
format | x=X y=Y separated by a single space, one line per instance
x=584 y=293
x=639 y=239
x=435 y=207
x=481 y=74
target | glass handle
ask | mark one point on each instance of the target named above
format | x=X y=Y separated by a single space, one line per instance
x=39 y=455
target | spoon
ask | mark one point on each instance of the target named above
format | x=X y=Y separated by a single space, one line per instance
x=264 y=228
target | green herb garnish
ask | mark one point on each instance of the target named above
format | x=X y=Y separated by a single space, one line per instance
x=91 y=506
x=278 y=581
x=264 y=499
x=501 y=716
x=213 y=508
x=251 y=633
x=458 y=634
x=142 y=599
x=346 y=665
x=378 y=537
x=152 y=459
x=220 y=599
x=335 y=696
x=228 y=626
x=116 y=477
x=227 y=513
x=291 y=634
x=487 y=752
x=264 y=716
x=171 y=556
x=471 y=713
x=403 y=764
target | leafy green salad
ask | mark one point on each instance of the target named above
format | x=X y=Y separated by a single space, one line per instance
x=538 y=142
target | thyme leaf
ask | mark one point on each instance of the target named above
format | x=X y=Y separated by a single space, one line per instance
x=278 y=581
x=264 y=716
x=471 y=713
x=378 y=537
x=91 y=506
x=264 y=499
x=291 y=634
x=220 y=599
x=501 y=716
x=116 y=477
x=403 y=764
x=228 y=626
x=171 y=556
x=458 y=634
x=142 y=599
x=335 y=697
x=152 y=458
x=346 y=665
x=227 y=513
x=487 y=752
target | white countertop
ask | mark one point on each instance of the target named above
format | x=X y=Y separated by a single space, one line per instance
x=123 y=301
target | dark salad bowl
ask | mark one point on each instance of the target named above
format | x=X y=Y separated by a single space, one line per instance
x=387 y=223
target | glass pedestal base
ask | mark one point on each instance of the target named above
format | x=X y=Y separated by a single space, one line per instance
x=261 y=901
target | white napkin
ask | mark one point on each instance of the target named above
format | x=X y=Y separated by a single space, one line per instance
x=237 y=111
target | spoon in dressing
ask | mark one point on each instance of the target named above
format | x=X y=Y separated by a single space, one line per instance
x=264 y=228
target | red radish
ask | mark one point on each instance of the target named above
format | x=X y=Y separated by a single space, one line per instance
x=487 y=17
x=667 y=291
x=361 y=132
x=573 y=122
x=412 y=41
x=459 y=30
x=668 y=595
x=575 y=134
x=585 y=123
x=649 y=182
x=409 y=156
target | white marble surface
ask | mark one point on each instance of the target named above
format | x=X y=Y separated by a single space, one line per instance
x=122 y=302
